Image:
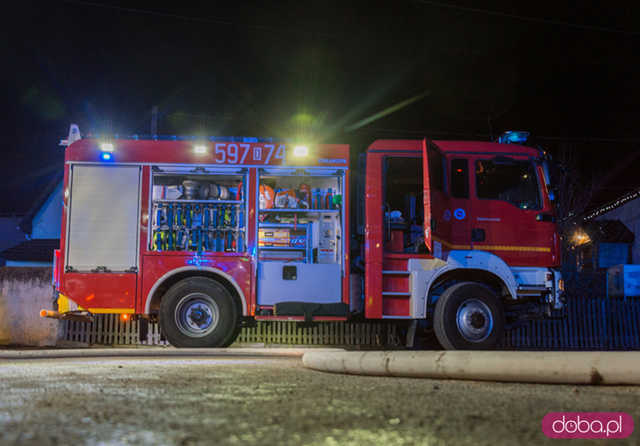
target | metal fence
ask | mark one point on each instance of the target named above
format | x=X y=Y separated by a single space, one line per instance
x=591 y=323
x=326 y=333
x=109 y=329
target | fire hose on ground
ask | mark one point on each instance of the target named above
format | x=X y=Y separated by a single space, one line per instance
x=599 y=368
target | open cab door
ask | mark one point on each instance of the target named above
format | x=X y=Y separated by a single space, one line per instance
x=426 y=197
x=438 y=209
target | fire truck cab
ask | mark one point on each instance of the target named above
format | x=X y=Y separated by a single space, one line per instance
x=206 y=235
x=461 y=234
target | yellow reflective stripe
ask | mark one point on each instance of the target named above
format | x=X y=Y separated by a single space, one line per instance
x=495 y=247
x=512 y=248
x=63 y=303
x=450 y=245
x=111 y=310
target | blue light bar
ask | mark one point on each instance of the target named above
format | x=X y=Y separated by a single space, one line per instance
x=513 y=137
x=106 y=156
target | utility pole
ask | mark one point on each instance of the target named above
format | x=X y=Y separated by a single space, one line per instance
x=154 y=120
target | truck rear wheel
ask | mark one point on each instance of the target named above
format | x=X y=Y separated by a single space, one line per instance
x=468 y=316
x=199 y=312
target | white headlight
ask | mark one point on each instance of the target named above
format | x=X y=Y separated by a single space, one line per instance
x=300 y=151
x=106 y=147
x=200 y=149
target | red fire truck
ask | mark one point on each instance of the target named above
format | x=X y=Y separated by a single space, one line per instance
x=205 y=236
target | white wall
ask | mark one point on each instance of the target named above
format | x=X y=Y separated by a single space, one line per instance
x=629 y=214
x=46 y=223
x=23 y=293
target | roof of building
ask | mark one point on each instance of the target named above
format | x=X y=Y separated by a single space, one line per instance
x=616 y=185
x=608 y=231
x=34 y=250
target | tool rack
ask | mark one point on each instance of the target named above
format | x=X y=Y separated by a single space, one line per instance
x=199 y=225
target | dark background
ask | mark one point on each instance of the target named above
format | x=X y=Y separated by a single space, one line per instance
x=568 y=73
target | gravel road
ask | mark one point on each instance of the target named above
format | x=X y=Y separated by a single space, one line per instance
x=225 y=400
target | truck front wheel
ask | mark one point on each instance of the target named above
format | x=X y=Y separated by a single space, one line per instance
x=199 y=312
x=468 y=316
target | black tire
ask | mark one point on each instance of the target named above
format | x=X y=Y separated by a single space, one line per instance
x=234 y=334
x=468 y=316
x=199 y=312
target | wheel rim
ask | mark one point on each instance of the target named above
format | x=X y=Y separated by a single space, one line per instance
x=474 y=320
x=197 y=315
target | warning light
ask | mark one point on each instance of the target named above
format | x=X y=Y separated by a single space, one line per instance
x=106 y=156
x=513 y=137
x=106 y=147
x=200 y=149
x=300 y=151
x=124 y=317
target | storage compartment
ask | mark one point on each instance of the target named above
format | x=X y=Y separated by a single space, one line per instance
x=285 y=241
x=103 y=218
x=300 y=215
x=313 y=283
x=198 y=210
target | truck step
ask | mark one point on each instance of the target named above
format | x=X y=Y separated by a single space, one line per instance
x=531 y=290
x=396 y=273
x=396 y=293
x=301 y=318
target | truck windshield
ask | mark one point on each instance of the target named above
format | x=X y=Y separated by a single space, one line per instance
x=512 y=181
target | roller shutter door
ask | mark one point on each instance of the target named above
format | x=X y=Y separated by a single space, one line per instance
x=103 y=218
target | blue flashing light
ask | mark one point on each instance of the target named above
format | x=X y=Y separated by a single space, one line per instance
x=106 y=156
x=513 y=137
x=196 y=260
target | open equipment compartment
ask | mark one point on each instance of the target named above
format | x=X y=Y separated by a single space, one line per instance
x=198 y=209
x=300 y=235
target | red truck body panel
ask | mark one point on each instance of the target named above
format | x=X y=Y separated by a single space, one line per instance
x=129 y=292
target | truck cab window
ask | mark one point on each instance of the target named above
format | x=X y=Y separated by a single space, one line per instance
x=459 y=178
x=403 y=209
x=508 y=180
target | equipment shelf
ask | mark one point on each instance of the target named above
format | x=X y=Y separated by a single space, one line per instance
x=306 y=249
x=200 y=201
x=284 y=248
x=301 y=210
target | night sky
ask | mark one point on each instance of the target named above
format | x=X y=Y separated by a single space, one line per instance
x=316 y=70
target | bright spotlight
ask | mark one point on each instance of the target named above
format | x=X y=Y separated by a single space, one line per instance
x=301 y=151
x=580 y=237
x=106 y=147
x=200 y=149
